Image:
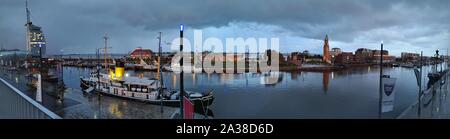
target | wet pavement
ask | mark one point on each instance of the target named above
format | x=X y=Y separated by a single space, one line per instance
x=79 y=105
x=433 y=104
x=342 y=94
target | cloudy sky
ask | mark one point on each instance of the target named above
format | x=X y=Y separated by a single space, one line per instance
x=77 y=26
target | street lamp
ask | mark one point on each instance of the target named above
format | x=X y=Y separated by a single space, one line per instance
x=181 y=73
x=381 y=81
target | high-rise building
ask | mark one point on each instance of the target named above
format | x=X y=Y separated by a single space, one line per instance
x=36 y=44
x=326 y=51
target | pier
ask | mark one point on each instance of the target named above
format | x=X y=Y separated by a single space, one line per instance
x=432 y=103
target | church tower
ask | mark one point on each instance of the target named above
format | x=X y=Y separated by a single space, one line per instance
x=326 y=51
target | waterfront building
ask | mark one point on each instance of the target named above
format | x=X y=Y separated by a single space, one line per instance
x=296 y=58
x=377 y=52
x=363 y=55
x=386 y=57
x=335 y=52
x=141 y=53
x=345 y=58
x=269 y=53
x=12 y=57
x=36 y=43
x=410 y=57
x=311 y=58
x=6 y=53
x=306 y=53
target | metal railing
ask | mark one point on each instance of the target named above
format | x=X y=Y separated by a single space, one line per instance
x=432 y=88
x=14 y=104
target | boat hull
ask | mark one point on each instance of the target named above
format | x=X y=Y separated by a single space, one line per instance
x=202 y=101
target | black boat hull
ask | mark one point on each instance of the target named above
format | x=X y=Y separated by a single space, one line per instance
x=203 y=101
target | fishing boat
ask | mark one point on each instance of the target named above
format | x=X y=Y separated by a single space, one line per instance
x=140 y=88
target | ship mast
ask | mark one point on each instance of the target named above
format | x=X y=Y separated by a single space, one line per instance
x=159 y=57
x=159 y=76
x=106 y=53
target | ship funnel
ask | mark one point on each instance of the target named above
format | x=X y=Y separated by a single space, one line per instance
x=120 y=69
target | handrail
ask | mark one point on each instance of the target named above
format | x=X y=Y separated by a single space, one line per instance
x=404 y=113
x=31 y=101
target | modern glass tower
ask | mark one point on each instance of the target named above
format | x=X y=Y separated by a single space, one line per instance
x=36 y=44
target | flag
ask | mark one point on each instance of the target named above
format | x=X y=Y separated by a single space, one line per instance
x=188 y=108
x=418 y=76
x=388 y=96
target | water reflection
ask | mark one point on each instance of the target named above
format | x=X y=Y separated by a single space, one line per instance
x=325 y=81
x=174 y=80
x=114 y=109
x=271 y=78
x=350 y=93
x=294 y=75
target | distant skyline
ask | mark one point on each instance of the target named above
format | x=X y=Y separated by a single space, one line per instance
x=77 y=26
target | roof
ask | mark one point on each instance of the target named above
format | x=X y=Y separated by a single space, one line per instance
x=12 y=52
x=138 y=81
x=34 y=28
x=140 y=51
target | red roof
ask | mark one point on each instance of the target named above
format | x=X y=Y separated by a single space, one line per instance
x=141 y=52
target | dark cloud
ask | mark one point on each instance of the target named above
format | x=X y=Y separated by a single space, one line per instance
x=79 y=24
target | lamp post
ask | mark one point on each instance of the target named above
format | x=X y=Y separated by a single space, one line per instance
x=40 y=58
x=437 y=60
x=181 y=73
x=160 y=77
x=39 y=88
x=381 y=81
x=62 y=63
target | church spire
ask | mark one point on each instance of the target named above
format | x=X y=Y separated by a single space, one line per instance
x=326 y=51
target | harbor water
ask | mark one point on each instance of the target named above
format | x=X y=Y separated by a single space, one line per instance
x=350 y=93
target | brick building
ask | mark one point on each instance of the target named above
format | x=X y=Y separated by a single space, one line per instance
x=345 y=58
